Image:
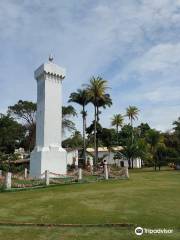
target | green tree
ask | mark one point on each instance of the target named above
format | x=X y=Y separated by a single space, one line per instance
x=67 y=113
x=81 y=97
x=142 y=129
x=103 y=102
x=90 y=132
x=132 y=113
x=137 y=149
x=97 y=92
x=12 y=134
x=117 y=121
x=177 y=126
x=160 y=154
x=153 y=137
x=74 y=141
x=25 y=111
x=106 y=137
x=142 y=150
x=129 y=151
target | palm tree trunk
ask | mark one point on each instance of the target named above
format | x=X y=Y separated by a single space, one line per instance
x=155 y=164
x=95 y=130
x=132 y=163
x=97 y=137
x=117 y=131
x=84 y=139
x=132 y=138
x=129 y=162
x=131 y=131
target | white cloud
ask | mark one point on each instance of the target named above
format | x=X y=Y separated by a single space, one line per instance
x=162 y=58
x=158 y=73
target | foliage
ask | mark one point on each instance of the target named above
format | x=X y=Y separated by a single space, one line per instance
x=125 y=134
x=176 y=127
x=153 y=138
x=160 y=154
x=117 y=121
x=97 y=93
x=67 y=113
x=25 y=112
x=132 y=113
x=142 y=129
x=11 y=134
x=75 y=141
x=96 y=89
x=81 y=97
x=133 y=150
x=107 y=137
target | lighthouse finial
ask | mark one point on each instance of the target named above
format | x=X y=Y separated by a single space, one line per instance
x=51 y=58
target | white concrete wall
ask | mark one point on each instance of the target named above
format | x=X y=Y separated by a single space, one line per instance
x=118 y=162
x=110 y=159
x=137 y=163
x=72 y=155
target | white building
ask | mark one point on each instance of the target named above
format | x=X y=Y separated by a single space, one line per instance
x=105 y=154
x=72 y=156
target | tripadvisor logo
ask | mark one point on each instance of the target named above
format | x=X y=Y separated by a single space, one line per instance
x=139 y=231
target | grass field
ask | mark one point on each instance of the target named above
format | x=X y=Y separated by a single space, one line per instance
x=148 y=199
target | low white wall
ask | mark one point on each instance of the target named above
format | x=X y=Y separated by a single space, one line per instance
x=72 y=155
x=110 y=159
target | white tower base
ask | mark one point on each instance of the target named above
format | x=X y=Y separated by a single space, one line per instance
x=52 y=159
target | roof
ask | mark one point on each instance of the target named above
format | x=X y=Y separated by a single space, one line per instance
x=21 y=161
x=105 y=149
x=50 y=68
x=71 y=149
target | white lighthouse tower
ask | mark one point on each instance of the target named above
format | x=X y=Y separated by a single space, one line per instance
x=48 y=153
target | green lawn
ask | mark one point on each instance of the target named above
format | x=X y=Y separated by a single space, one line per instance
x=148 y=199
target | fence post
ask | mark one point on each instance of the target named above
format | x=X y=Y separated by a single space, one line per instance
x=79 y=174
x=47 y=177
x=91 y=169
x=126 y=172
x=8 y=180
x=91 y=166
x=106 y=171
x=25 y=173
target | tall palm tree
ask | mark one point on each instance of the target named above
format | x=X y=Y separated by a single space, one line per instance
x=132 y=113
x=81 y=97
x=103 y=102
x=97 y=92
x=117 y=121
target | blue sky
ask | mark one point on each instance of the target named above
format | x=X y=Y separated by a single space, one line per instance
x=134 y=44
